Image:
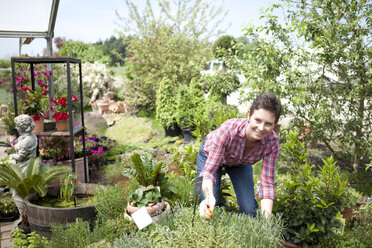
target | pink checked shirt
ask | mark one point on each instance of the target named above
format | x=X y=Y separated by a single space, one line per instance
x=225 y=146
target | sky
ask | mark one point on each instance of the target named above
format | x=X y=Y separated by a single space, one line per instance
x=93 y=20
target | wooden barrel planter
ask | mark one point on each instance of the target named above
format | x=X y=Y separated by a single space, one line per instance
x=40 y=218
x=80 y=170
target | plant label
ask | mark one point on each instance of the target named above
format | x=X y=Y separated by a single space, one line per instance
x=142 y=218
x=198 y=185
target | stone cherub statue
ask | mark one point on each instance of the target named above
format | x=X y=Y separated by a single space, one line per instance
x=26 y=144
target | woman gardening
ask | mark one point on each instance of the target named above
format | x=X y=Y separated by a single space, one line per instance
x=236 y=145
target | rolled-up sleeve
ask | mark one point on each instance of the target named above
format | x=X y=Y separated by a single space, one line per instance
x=267 y=187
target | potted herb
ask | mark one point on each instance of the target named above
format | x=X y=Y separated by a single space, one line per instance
x=353 y=198
x=153 y=183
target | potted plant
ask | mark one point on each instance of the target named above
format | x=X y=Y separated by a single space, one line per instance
x=353 y=198
x=59 y=109
x=153 y=184
x=34 y=179
x=8 y=208
x=309 y=200
x=62 y=204
x=185 y=112
x=33 y=105
x=165 y=107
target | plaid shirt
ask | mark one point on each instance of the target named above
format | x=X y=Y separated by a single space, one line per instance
x=225 y=146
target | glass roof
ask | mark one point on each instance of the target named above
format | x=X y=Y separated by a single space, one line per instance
x=25 y=15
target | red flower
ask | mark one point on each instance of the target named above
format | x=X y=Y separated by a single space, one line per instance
x=74 y=98
x=36 y=117
x=62 y=101
x=26 y=89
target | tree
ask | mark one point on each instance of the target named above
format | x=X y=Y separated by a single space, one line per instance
x=224 y=46
x=162 y=54
x=85 y=52
x=171 y=44
x=320 y=60
x=193 y=18
x=117 y=49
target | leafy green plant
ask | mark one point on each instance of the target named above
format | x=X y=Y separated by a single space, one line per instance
x=7 y=205
x=185 y=108
x=295 y=152
x=212 y=118
x=34 y=179
x=144 y=195
x=67 y=187
x=145 y=170
x=185 y=156
x=221 y=84
x=8 y=122
x=309 y=202
x=31 y=240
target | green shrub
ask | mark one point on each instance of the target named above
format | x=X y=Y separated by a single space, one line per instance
x=111 y=202
x=76 y=235
x=184 y=191
x=222 y=230
x=165 y=103
x=133 y=240
x=185 y=108
x=7 y=205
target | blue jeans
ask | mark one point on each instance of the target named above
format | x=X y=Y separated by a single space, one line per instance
x=242 y=180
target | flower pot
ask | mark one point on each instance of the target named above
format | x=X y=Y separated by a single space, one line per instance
x=39 y=125
x=187 y=136
x=347 y=213
x=152 y=210
x=173 y=131
x=40 y=218
x=103 y=107
x=157 y=217
x=62 y=125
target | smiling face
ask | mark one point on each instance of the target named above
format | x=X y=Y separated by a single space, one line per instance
x=261 y=123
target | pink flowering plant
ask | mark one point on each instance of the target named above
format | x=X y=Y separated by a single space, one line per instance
x=57 y=148
x=33 y=102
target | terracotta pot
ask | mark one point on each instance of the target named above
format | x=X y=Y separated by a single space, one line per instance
x=39 y=125
x=290 y=245
x=62 y=125
x=347 y=213
x=103 y=107
x=161 y=215
x=152 y=210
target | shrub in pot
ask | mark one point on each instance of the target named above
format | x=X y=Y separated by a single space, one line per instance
x=165 y=107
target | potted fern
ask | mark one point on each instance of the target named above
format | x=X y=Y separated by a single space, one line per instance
x=153 y=185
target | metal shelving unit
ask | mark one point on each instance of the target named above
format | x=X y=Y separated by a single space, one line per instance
x=32 y=61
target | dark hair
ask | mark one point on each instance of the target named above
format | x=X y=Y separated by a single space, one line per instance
x=269 y=102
